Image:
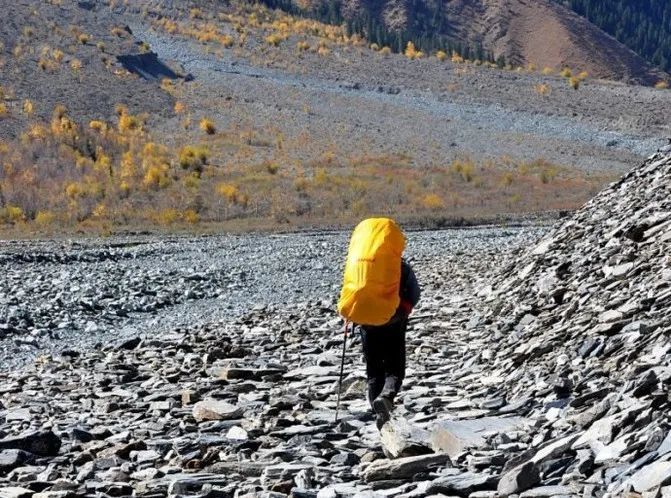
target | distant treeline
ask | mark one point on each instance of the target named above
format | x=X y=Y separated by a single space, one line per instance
x=427 y=30
x=642 y=25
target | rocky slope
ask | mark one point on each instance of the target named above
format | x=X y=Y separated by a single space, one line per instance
x=548 y=378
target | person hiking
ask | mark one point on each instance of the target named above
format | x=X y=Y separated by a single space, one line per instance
x=379 y=292
x=384 y=349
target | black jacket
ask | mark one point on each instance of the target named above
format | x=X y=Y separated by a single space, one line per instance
x=409 y=291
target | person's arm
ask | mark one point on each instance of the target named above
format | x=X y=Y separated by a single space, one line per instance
x=410 y=291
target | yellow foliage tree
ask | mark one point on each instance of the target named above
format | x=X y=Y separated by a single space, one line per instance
x=208 y=126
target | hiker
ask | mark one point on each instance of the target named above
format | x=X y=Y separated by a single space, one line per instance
x=379 y=292
x=384 y=349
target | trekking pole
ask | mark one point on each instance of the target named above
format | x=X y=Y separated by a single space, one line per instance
x=342 y=369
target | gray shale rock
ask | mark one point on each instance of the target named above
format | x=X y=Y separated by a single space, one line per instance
x=537 y=368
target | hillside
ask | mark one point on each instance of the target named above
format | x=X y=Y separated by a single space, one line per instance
x=70 y=54
x=196 y=114
x=543 y=33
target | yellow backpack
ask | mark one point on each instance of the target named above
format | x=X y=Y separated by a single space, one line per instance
x=369 y=294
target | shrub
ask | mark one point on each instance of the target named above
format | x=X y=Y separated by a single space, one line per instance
x=196 y=13
x=192 y=181
x=11 y=214
x=574 y=82
x=303 y=46
x=547 y=71
x=207 y=126
x=144 y=47
x=156 y=177
x=100 y=46
x=46 y=65
x=35 y=132
x=433 y=201
x=456 y=58
x=441 y=55
x=662 y=85
x=191 y=216
x=167 y=85
x=73 y=190
x=543 y=89
x=45 y=218
x=374 y=47
x=274 y=39
x=83 y=38
x=583 y=75
x=75 y=64
x=385 y=51
x=323 y=51
x=566 y=72
x=128 y=122
x=272 y=168
x=166 y=216
x=465 y=169
x=28 y=107
x=4 y=112
x=120 y=32
x=57 y=55
x=412 y=53
x=127 y=168
x=229 y=191
x=507 y=178
x=100 y=211
x=193 y=158
x=98 y=126
x=179 y=107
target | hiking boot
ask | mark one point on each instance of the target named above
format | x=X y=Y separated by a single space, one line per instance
x=382 y=407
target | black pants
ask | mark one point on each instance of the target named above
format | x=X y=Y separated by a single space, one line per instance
x=384 y=351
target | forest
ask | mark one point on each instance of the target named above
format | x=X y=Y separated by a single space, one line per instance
x=642 y=25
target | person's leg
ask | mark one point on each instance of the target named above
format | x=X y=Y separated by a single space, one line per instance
x=394 y=360
x=373 y=351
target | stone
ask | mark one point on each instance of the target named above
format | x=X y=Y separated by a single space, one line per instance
x=237 y=433
x=42 y=443
x=555 y=449
x=404 y=468
x=401 y=439
x=347 y=459
x=15 y=492
x=456 y=436
x=547 y=492
x=519 y=479
x=650 y=477
x=213 y=409
x=462 y=484
x=10 y=459
x=281 y=472
x=233 y=373
x=18 y=415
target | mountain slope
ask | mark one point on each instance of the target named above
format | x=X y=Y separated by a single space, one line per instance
x=542 y=32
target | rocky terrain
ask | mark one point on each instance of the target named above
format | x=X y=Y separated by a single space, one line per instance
x=545 y=377
x=82 y=292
